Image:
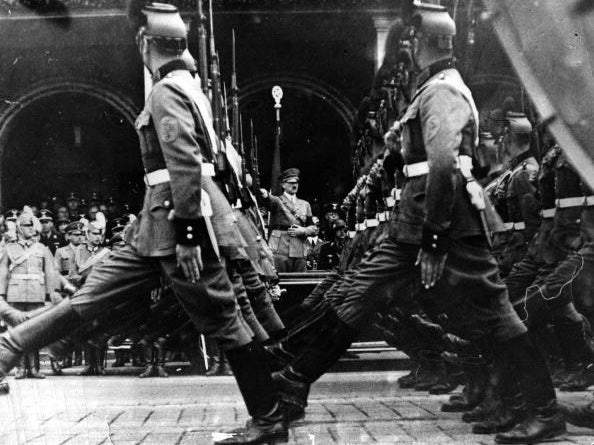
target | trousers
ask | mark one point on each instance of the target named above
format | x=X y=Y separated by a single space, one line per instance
x=470 y=291
x=210 y=304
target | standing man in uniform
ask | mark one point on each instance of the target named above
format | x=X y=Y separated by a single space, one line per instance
x=290 y=224
x=49 y=236
x=73 y=204
x=436 y=244
x=173 y=235
x=27 y=278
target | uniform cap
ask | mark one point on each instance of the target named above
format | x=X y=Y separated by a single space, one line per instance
x=11 y=215
x=290 y=173
x=75 y=226
x=27 y=217
x=518 y=122
x=46 y=215
x=73 y=197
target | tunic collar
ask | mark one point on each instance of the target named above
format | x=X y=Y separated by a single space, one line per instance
x=430 y=71
x=174 y=65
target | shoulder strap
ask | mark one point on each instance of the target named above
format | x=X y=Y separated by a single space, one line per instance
x=463 y=90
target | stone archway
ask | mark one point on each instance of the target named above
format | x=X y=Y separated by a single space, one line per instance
x=316 y=121
x=54 y=90
x=334 y=98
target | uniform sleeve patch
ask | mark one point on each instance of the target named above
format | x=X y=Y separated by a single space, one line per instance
x=169 y=129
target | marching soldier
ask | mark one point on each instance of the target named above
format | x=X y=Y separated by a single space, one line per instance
x=49 y=236
x=173 y=236
x=515 y=193
x=437 y=245
x=27 y=279
x=290 y=224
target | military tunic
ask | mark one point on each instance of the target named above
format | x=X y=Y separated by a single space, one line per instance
x=53 y=240
x=27 y=273
x=439 y=126
x=177 y=143
x=289 y=252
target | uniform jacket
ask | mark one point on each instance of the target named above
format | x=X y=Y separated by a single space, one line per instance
x=85 y=258
x=64 y=260
x=521 y=194
x=565 y=235
x=27 y=272
x=53 y=240
x=284 y=214
x=175 y=132
x=438 y=126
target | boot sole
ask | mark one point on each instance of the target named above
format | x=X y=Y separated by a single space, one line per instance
x=553 y=436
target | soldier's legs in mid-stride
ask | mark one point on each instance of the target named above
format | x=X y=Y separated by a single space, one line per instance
x=247 y=312
x=260 y=300
x=378 y=279
x=123 y=275
x=212 y=308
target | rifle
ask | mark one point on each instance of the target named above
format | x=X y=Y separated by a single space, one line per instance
x=255 y=166
x=217 y=109
x=234 y=96
x=203 y=56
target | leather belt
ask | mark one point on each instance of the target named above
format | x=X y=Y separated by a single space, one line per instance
x=463 y=163
x=160 y=176
x=548 y=213
x=372 y=222
x=575 y=201
x=27 y=276
x=510 y=226
x=280 y=228
x=157 y=177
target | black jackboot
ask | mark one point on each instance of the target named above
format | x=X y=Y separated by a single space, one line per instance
x=34 y=372
x=546 y=422
x=267 y=424
x=473 y=393
x=572 y=339
x=293 y=382
x=582 y=416
x=32 y=335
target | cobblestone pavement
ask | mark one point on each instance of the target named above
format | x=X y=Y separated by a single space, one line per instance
x=345 y=408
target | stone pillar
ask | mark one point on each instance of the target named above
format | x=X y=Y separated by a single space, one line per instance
x=382 y=26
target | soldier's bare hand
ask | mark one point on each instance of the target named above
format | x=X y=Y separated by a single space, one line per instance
x=296 y=231
x=189 y=259
x=431 y=267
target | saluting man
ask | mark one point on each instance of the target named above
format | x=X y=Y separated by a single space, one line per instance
x=290 y=224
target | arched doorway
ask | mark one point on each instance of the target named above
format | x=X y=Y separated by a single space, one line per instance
x=68 y=138
x=316 y=133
